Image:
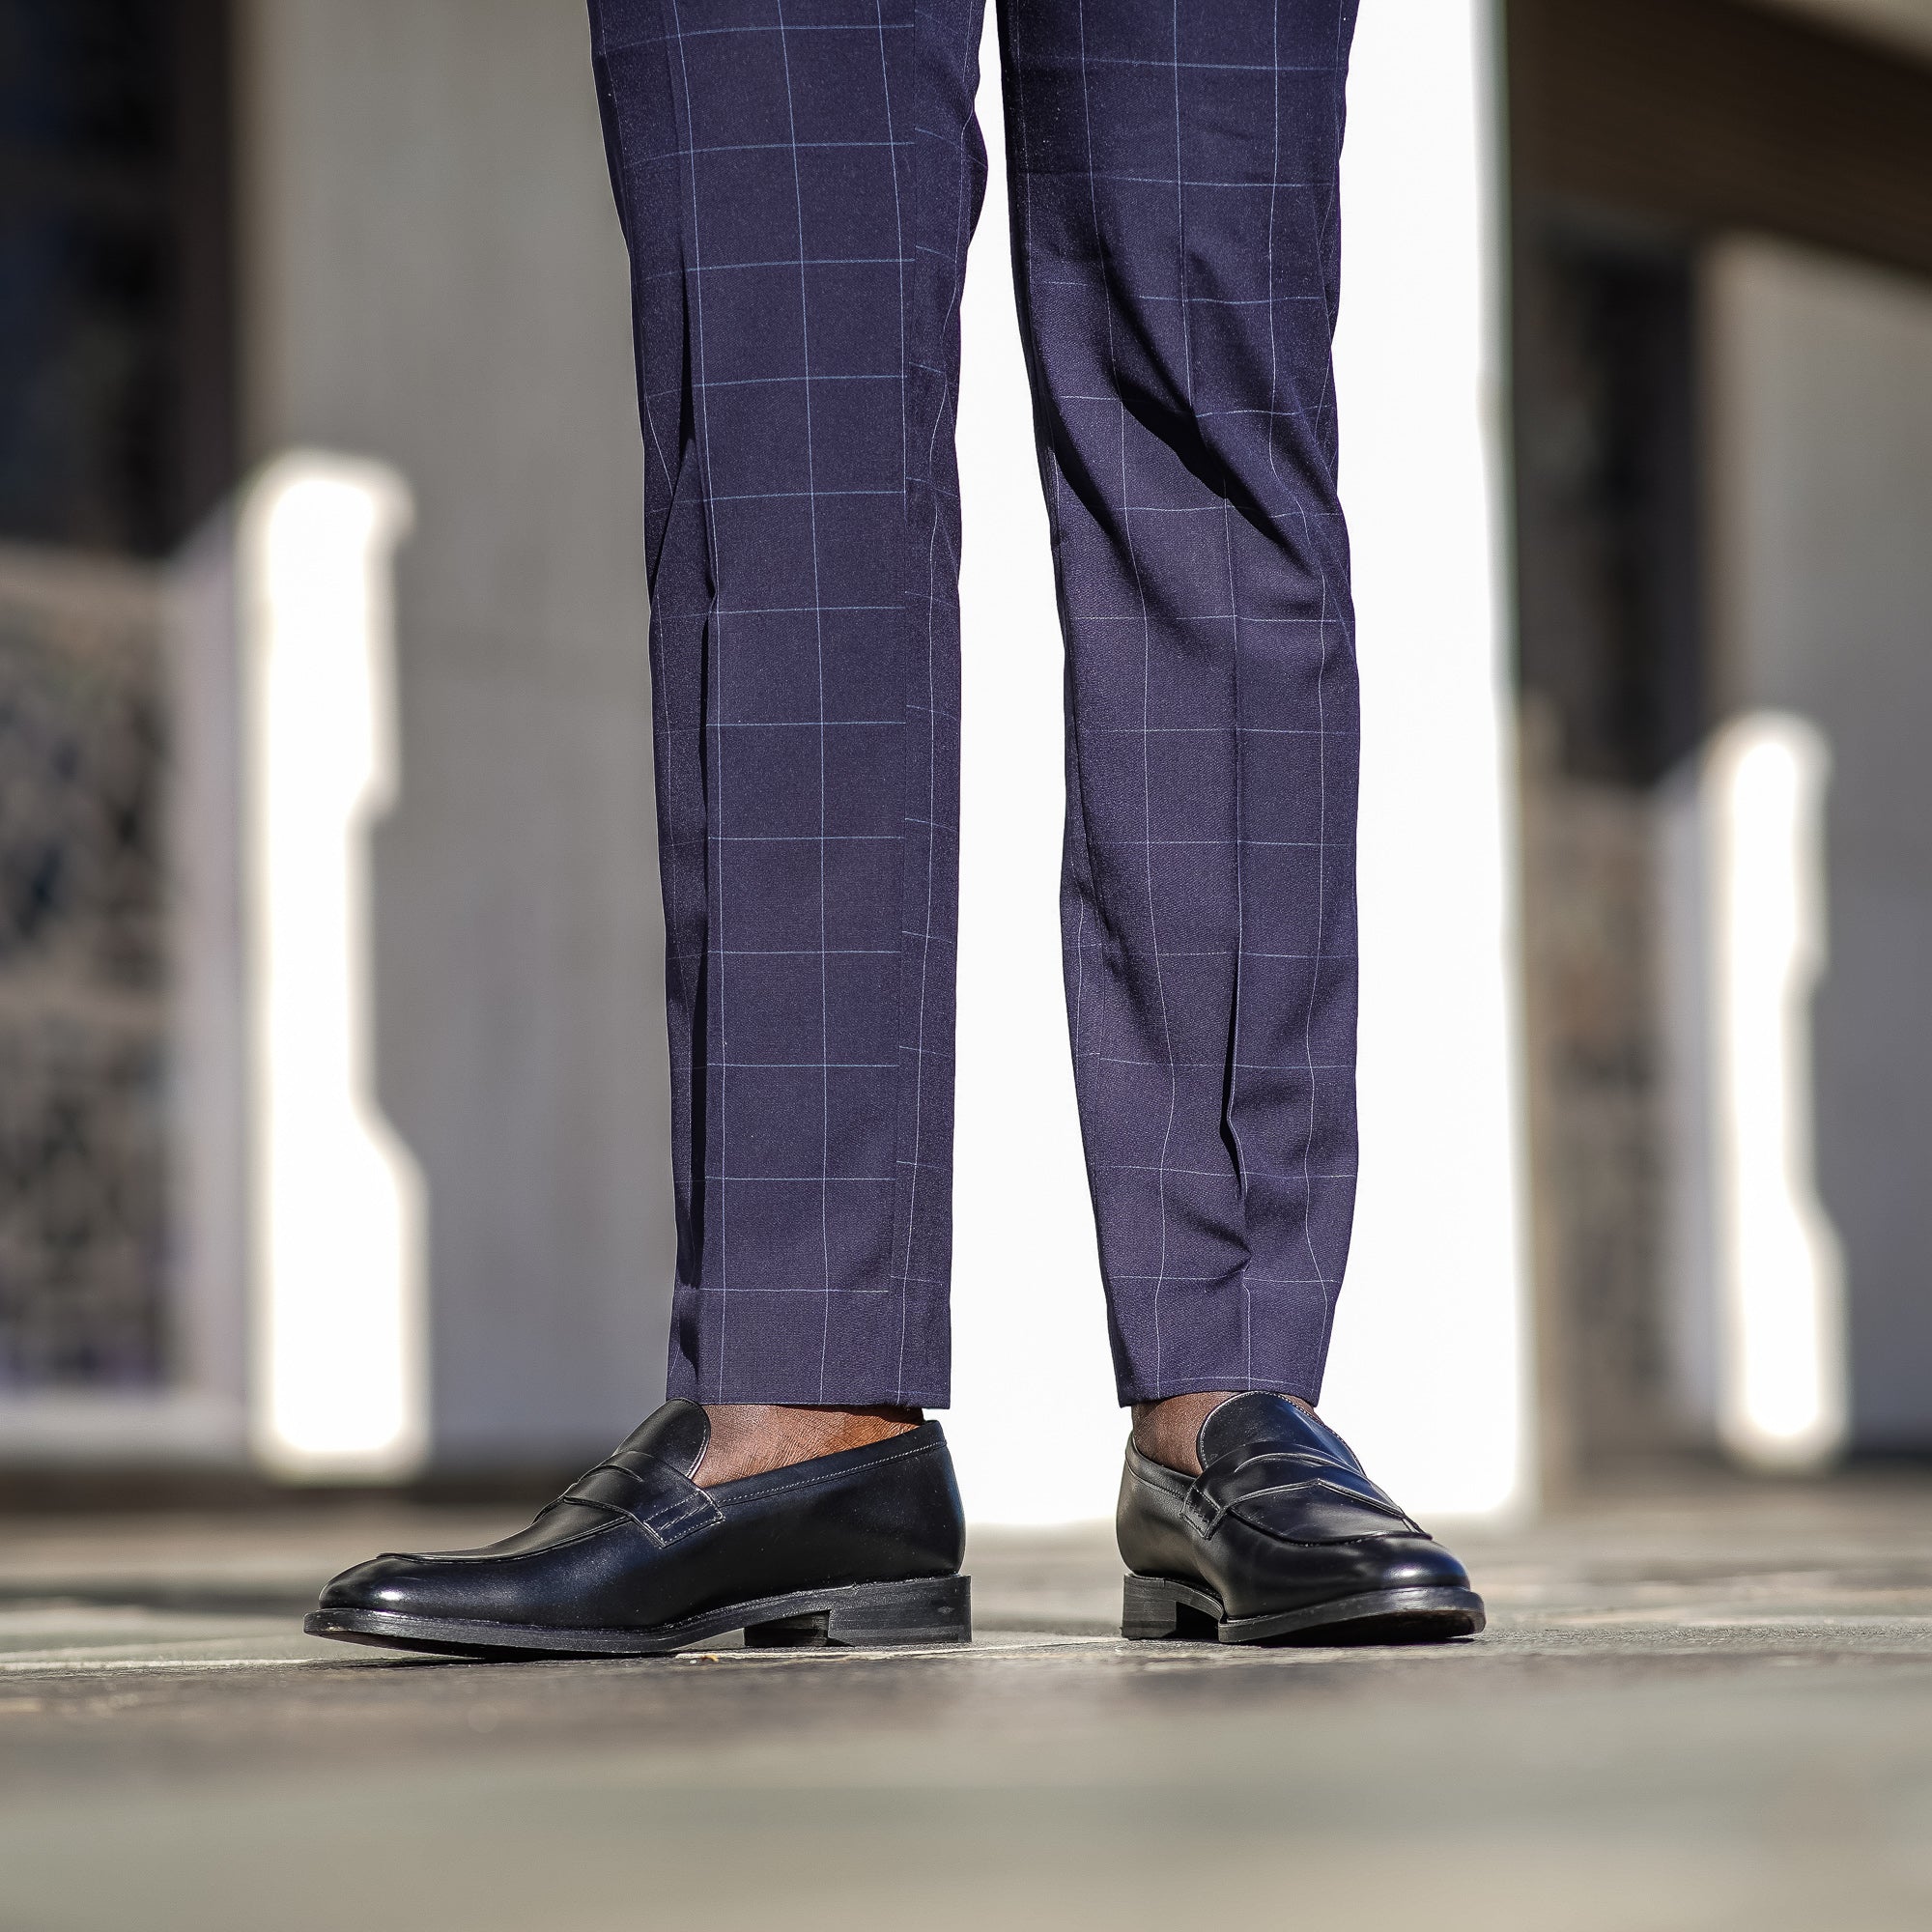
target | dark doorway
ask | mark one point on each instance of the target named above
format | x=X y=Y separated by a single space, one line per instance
x=116 y=338
x=1607 y=498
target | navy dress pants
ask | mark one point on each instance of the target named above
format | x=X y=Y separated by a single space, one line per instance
x=797 y=181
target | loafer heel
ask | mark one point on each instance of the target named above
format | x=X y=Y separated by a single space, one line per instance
x=1153 y=1607
x=1157 y=1608
x=919 y=1615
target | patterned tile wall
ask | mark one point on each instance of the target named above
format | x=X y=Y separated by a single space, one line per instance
x=83 y=1193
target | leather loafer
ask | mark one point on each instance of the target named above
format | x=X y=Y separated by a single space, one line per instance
x=1282 y=1537
x=860 y=1549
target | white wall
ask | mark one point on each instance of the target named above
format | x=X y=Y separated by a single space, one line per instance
x=434 y=277
x=1820 y=494
x=1034 y=1432
x=1430 y=1375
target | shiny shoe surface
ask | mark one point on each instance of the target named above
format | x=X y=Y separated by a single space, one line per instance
x=859 y=1548
x=1281 y=1538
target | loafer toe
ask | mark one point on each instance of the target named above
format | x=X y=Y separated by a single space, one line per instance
x=1420 y=1563
x=402 y=1585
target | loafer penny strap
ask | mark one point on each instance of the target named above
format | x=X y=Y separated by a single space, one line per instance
x=1295 y=1485
x=664 y=1502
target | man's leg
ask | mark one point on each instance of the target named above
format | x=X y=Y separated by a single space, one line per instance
x=797 y=181
x=1173 y=173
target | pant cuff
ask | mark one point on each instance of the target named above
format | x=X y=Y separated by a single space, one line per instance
x=852 y=1348
x=1230 y=1334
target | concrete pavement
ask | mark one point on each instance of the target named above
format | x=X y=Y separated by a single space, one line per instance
x=1699 y=1708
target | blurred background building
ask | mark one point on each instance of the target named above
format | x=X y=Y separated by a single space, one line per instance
x=1721 y=265
x=235 y=231
x=383 y=230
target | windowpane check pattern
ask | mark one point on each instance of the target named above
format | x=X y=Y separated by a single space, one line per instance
x=798 y=182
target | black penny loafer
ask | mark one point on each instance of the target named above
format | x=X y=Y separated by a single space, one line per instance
x=1281 y=1537
x=861 y=1549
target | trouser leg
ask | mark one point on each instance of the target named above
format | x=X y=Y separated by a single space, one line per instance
x=797 y=181
x=1174 y=178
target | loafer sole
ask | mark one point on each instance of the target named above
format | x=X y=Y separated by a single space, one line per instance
x=1157 y=1608
x=921 y=1613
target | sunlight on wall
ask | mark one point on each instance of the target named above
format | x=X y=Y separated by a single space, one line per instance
x=336 y=1207
x=1035 y=1431
x=1780 y=1383
x=1431 y=1366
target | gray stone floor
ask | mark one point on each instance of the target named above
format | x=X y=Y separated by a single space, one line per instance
x=1704 y=1707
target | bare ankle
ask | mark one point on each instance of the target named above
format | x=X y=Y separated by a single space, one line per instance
x=1168 y=1432
x=749 y=1439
